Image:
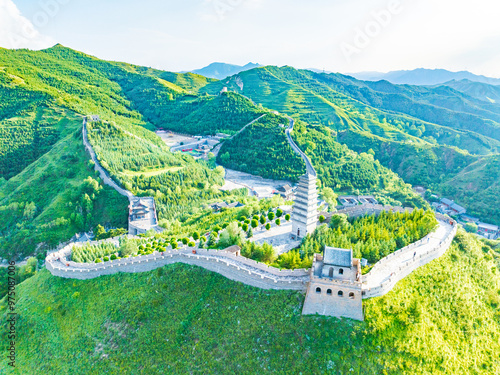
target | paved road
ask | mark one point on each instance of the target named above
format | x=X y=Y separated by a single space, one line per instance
x=309 y=167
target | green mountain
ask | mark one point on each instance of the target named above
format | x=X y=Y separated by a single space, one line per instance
x=479 y=90
x=223 y=70
x=424 y=77
x=425 y=134
x=442 y=319
x=44 y=196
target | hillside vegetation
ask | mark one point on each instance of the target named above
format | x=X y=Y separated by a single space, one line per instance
x=427 y=135
x=442 y=319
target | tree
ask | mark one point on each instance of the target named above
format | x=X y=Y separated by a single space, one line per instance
x=185 y=240
x=127 y=247
x=231 y=235
x=250 y=233
x=262 y=219
x=254 y=223
x=278 y=222
x=244 y=227
x=270 y=215
x=100 y=232
x=268 y=226
x=471 y=227
x=322 y=219
x=212 y=240
x=329 y=197
x=279 y=212
x=287 y=217
x=196 y=236
x=339 y=221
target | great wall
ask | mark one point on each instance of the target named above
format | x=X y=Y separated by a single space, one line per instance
x=381 y=279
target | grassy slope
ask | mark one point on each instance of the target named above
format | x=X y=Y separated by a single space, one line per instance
x=477 y=187
x=443 y=319
x=54 y=183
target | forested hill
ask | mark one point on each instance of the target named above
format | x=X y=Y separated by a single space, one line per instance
x=48 y=189
x=45 y=93
x=428 y=135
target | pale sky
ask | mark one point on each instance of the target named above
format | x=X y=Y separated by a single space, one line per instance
x=335 y=35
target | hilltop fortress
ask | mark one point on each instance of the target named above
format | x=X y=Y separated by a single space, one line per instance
x=322 y=287
x=334 y=284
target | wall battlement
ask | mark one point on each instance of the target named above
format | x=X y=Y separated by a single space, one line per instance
x=380 y=280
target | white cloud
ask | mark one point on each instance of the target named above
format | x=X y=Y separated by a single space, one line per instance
x=16 y=31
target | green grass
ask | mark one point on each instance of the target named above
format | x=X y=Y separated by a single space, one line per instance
x=443 y=319
x=55 y=185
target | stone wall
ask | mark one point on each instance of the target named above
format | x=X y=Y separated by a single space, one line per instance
x=233 y=267
x=248 y=271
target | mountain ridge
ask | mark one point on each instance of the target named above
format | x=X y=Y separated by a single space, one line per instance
x=423 y=76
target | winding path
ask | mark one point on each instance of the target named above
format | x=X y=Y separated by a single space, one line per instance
x=98 y=167
x=309 y=167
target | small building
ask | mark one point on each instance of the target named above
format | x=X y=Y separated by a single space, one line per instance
x=224 y=89
x=452 y=208
x=335 y=285
x=262 y=192
x=95 y=118
x=142 y=215
x=220 y=205
x=367 y=199
x=489 y=231
x=85 y=237
x=286 y=192
x=348 y=201
x=235 y=250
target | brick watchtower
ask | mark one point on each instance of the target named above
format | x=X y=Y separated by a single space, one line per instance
x=335 y=286
x=305 y=209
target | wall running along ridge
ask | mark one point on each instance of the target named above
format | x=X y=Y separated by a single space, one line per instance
x=379 y=281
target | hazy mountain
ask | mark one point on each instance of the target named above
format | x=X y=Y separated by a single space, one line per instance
x=424 y=77
x=222 y=70
x=478 y=90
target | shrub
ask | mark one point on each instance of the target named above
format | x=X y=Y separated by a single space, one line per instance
x=270 y=215
x=322 y=219
x=262 y=219
x=113 y=256
x=191 y=244
x=106 y=259
x=185 y=240
x=174 y=245
x=244 y=227
x=196 y=236
x=287 y=217
x=278 y=222
x=255 y=217
x=98 y=260
x=255 y=223
x=268 y=226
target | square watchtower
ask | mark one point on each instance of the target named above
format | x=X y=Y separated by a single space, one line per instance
x=335 y=285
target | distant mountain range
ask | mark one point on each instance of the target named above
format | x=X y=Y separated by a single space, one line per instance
x=424 y=77
x=477 y=90
x=222 y=70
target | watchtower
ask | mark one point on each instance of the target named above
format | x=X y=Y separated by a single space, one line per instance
x=335 y=285
x=305 y=209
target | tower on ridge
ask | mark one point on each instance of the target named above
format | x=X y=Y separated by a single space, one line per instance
x=305 y=209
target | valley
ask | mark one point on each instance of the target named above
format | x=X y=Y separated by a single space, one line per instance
x=234 y=305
